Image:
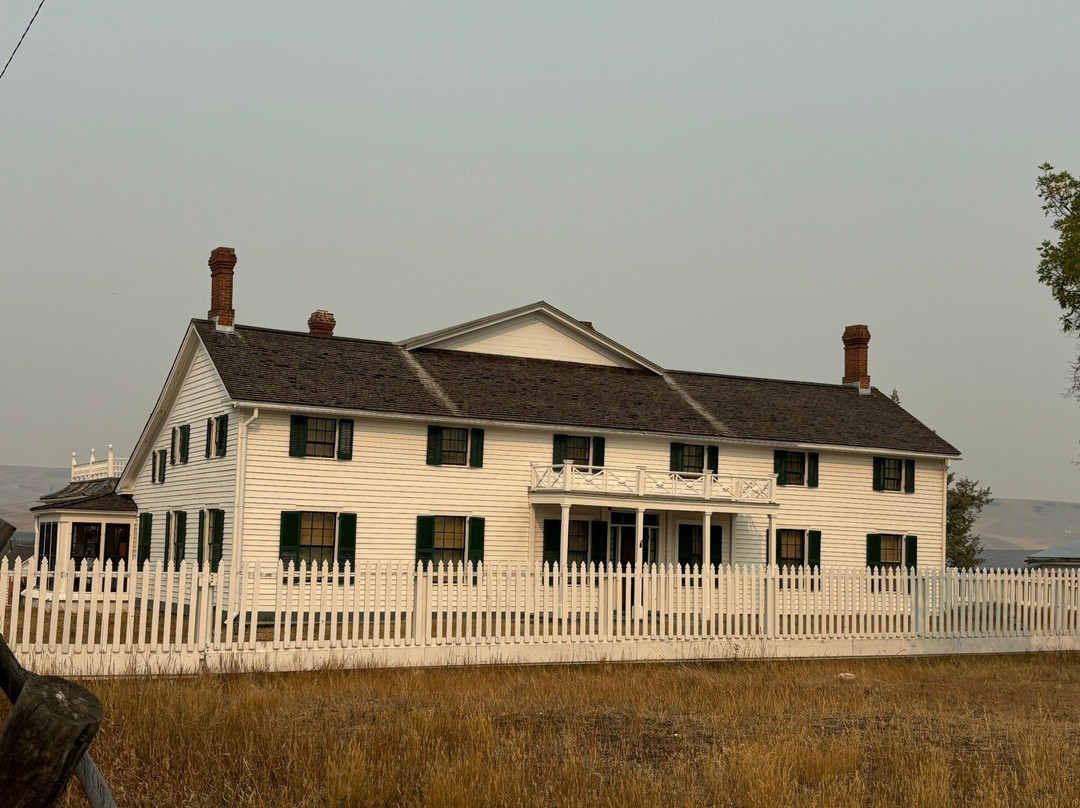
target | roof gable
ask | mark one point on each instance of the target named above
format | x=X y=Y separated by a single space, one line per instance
x=537 y=331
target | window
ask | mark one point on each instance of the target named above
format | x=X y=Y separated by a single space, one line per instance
x=792 y=548
x=157 y=466
x=691 y=553
x=796 y=468
x=210 y=538
x=179 y=444
x=450 y=539
x=581 y=449
x=578 y=542
x=455 y=446
x=797 y=548
x=217 y=436
x=691 y=458
x=47 y=532
x=85 y=542
x=310 y=538
x=117 y=543
x=316 y=538
x=175 y=538
x=891 y=550
x=894 y=474
x=320 y=437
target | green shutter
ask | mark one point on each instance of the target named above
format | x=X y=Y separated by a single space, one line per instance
x=174 y=438
x=873 y=549
x=181 y=536
x=476 y=539
x=298 y=436
x=552 y=540
x=713 y=453
x=222 y=435
x=289 y=545
x=909 y=476
x=217 y=543
x=185 y=442
x=209 y=435
x=345 y=428
x=434 y=446
x=161 y=466
x=678 y=462
x=686 y=545
x=476 y=448
x=598 y=541
x=814 y=556
x=811 y=469
x=201 y=539
x=911 y=551
x=168 y=536
x=346 y=538
x=879 y=473
x=599 y=446
x=779 y=463
x=716 y=545
x=153 y=468
x=146 y=531
x=778 y=548
x=558 y=450
x=425 y=538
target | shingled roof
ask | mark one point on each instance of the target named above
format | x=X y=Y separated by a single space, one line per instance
x=88 y=495
x=285 y=367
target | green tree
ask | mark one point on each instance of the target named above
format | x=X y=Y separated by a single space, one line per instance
x=964 y=502
x=1059 y=268
x=895 y=396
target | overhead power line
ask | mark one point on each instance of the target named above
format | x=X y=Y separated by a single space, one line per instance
x=24 y=33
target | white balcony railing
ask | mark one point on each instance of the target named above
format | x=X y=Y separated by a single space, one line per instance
x=96 y=469
x=645 y=482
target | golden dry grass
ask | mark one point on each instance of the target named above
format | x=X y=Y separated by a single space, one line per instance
x=1000 y=731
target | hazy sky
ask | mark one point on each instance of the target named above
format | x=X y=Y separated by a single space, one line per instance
x=718 y=186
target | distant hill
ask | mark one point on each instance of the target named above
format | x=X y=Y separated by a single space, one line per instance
x=1028 y=524
x=20 y=488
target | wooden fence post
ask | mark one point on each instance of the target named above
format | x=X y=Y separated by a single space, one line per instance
x=49 y=729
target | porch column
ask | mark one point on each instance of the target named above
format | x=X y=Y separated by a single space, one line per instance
x=639 y=549
x=770 y=542
x=707 y=572
x=564 y=536
x=706 y=540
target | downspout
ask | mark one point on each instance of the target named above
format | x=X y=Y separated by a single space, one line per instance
x=241 y=473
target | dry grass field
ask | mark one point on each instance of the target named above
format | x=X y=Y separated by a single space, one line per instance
x=1002 y=731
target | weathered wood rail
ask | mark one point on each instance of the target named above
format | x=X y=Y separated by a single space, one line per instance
x=46 y=738
x=264 y=615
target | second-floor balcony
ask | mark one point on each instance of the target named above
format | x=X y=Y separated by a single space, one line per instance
x=645 y=482
x=111 y=466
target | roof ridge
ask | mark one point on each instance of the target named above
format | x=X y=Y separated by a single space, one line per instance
x=766 y=379
x=266 y=330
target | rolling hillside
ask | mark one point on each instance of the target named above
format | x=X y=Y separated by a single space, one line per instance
x=20 y=487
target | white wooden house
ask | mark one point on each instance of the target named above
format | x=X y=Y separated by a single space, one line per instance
x=526 y=435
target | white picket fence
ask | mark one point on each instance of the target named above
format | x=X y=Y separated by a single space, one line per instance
x=266 y=616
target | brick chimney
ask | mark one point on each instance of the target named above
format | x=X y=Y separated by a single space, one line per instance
x=321 y=324
x=856 y=340
x=222 y=260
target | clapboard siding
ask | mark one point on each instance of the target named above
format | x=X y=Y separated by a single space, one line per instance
x=387 y=485
x=201 y=482
x=532 y=338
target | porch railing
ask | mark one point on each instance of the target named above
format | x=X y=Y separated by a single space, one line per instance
x=112 y=620
x=642 y=481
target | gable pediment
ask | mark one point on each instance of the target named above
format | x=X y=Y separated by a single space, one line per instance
x=539 y=331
